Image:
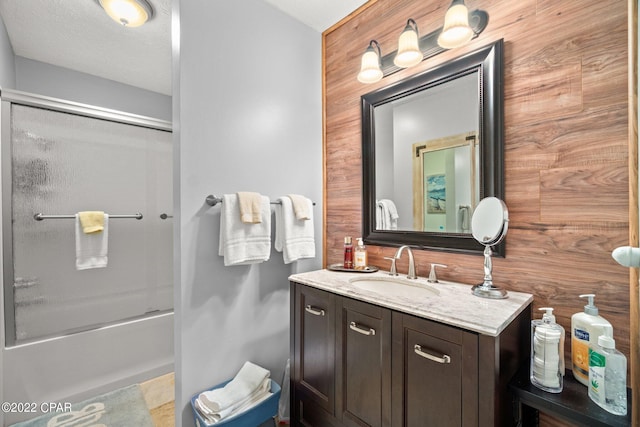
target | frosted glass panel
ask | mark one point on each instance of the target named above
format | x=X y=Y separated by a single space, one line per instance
x=62 y=164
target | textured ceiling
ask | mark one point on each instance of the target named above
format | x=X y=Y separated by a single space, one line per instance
x=77 y=34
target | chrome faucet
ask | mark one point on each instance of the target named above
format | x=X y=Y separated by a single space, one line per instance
x=392 y=270
x=411 y=274
x=432 y=274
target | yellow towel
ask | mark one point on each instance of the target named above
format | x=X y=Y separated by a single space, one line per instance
x=250 y=207
x=91 y=221
x=300 y=206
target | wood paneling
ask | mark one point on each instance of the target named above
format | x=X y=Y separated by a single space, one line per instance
x=566 y=146
x=634 y=282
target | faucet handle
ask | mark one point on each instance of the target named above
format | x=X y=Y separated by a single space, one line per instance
x=392 y=271
x=432 y=274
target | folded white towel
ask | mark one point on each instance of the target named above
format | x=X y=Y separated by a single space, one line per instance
x=301 y=206
x=242 y=243
x=91 y=249
x=386 y=215
x=253 y=399
x=247 y=381
x=294 y=237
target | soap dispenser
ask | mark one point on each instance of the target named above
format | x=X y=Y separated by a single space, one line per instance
x=547 y=352
x=360 y=255
x=586 y=327
x=608 y=374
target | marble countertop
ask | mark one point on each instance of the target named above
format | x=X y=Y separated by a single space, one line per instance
x=448 y=302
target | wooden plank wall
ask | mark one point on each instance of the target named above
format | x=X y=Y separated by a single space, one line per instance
x=566 y=146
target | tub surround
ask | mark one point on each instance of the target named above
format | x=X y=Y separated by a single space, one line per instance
x=455 y=305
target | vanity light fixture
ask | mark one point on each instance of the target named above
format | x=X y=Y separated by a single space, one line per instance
x=128 y=13
x=456 y=31
x=370 y=71
x=409 y=53
x=460 y=26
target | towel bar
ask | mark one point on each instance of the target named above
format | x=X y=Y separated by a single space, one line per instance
x=39 y=216
x=212 y=200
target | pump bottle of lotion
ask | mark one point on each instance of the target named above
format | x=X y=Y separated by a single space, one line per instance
x=360 y=255
x=586 y=327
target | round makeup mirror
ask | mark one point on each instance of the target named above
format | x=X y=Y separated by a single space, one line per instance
x=489 y=225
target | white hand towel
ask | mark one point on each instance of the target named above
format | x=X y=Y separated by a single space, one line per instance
x=212 y=417
x=91 y=249
x=242 y=243
x=294 y=237
x=248 y=380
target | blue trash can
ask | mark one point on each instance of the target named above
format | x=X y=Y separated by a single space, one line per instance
x=255 y=416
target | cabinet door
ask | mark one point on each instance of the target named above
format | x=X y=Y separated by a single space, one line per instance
x=435 y=374
x=364 y=369
x=314 y=354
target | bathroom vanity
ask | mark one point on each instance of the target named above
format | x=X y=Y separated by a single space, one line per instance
x=373 y=350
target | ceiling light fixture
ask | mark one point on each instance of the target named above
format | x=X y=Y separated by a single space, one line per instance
x=456 y=31
x=460 y=26
x=129 y=13
x=370 y=71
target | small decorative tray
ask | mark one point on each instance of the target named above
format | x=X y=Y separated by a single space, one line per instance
x=340 y=267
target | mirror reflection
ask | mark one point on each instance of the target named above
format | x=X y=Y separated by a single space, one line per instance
x=432 y=148
x=435 y=155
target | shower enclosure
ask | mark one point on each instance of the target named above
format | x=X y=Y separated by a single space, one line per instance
x=68 y=333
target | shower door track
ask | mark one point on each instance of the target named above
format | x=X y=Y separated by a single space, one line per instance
x=91 y=328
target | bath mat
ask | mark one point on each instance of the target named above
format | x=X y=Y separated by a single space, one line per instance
x=125 y=407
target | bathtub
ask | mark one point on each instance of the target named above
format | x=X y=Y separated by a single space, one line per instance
x=76 y=367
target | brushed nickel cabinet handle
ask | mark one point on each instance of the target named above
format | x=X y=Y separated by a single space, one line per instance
x=315 y=311
x=443 y=359
x=364 y=331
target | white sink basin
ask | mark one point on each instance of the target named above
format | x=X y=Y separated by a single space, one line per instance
x=395 y=286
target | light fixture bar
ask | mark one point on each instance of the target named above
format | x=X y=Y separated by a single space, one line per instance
x=478 y=20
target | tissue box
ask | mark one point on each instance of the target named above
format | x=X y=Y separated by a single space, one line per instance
x=255 y=416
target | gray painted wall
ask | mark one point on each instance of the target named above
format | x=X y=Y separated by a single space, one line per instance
x=57 y=82
x=247 y=117
x=7 y=63
x=7 y=80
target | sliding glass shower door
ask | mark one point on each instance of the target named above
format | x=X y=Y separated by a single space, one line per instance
x=57 y=162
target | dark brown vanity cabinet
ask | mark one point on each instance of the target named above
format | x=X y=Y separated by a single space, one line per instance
x=359 y=364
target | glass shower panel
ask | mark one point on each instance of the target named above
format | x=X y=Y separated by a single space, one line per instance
x=64 y=163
